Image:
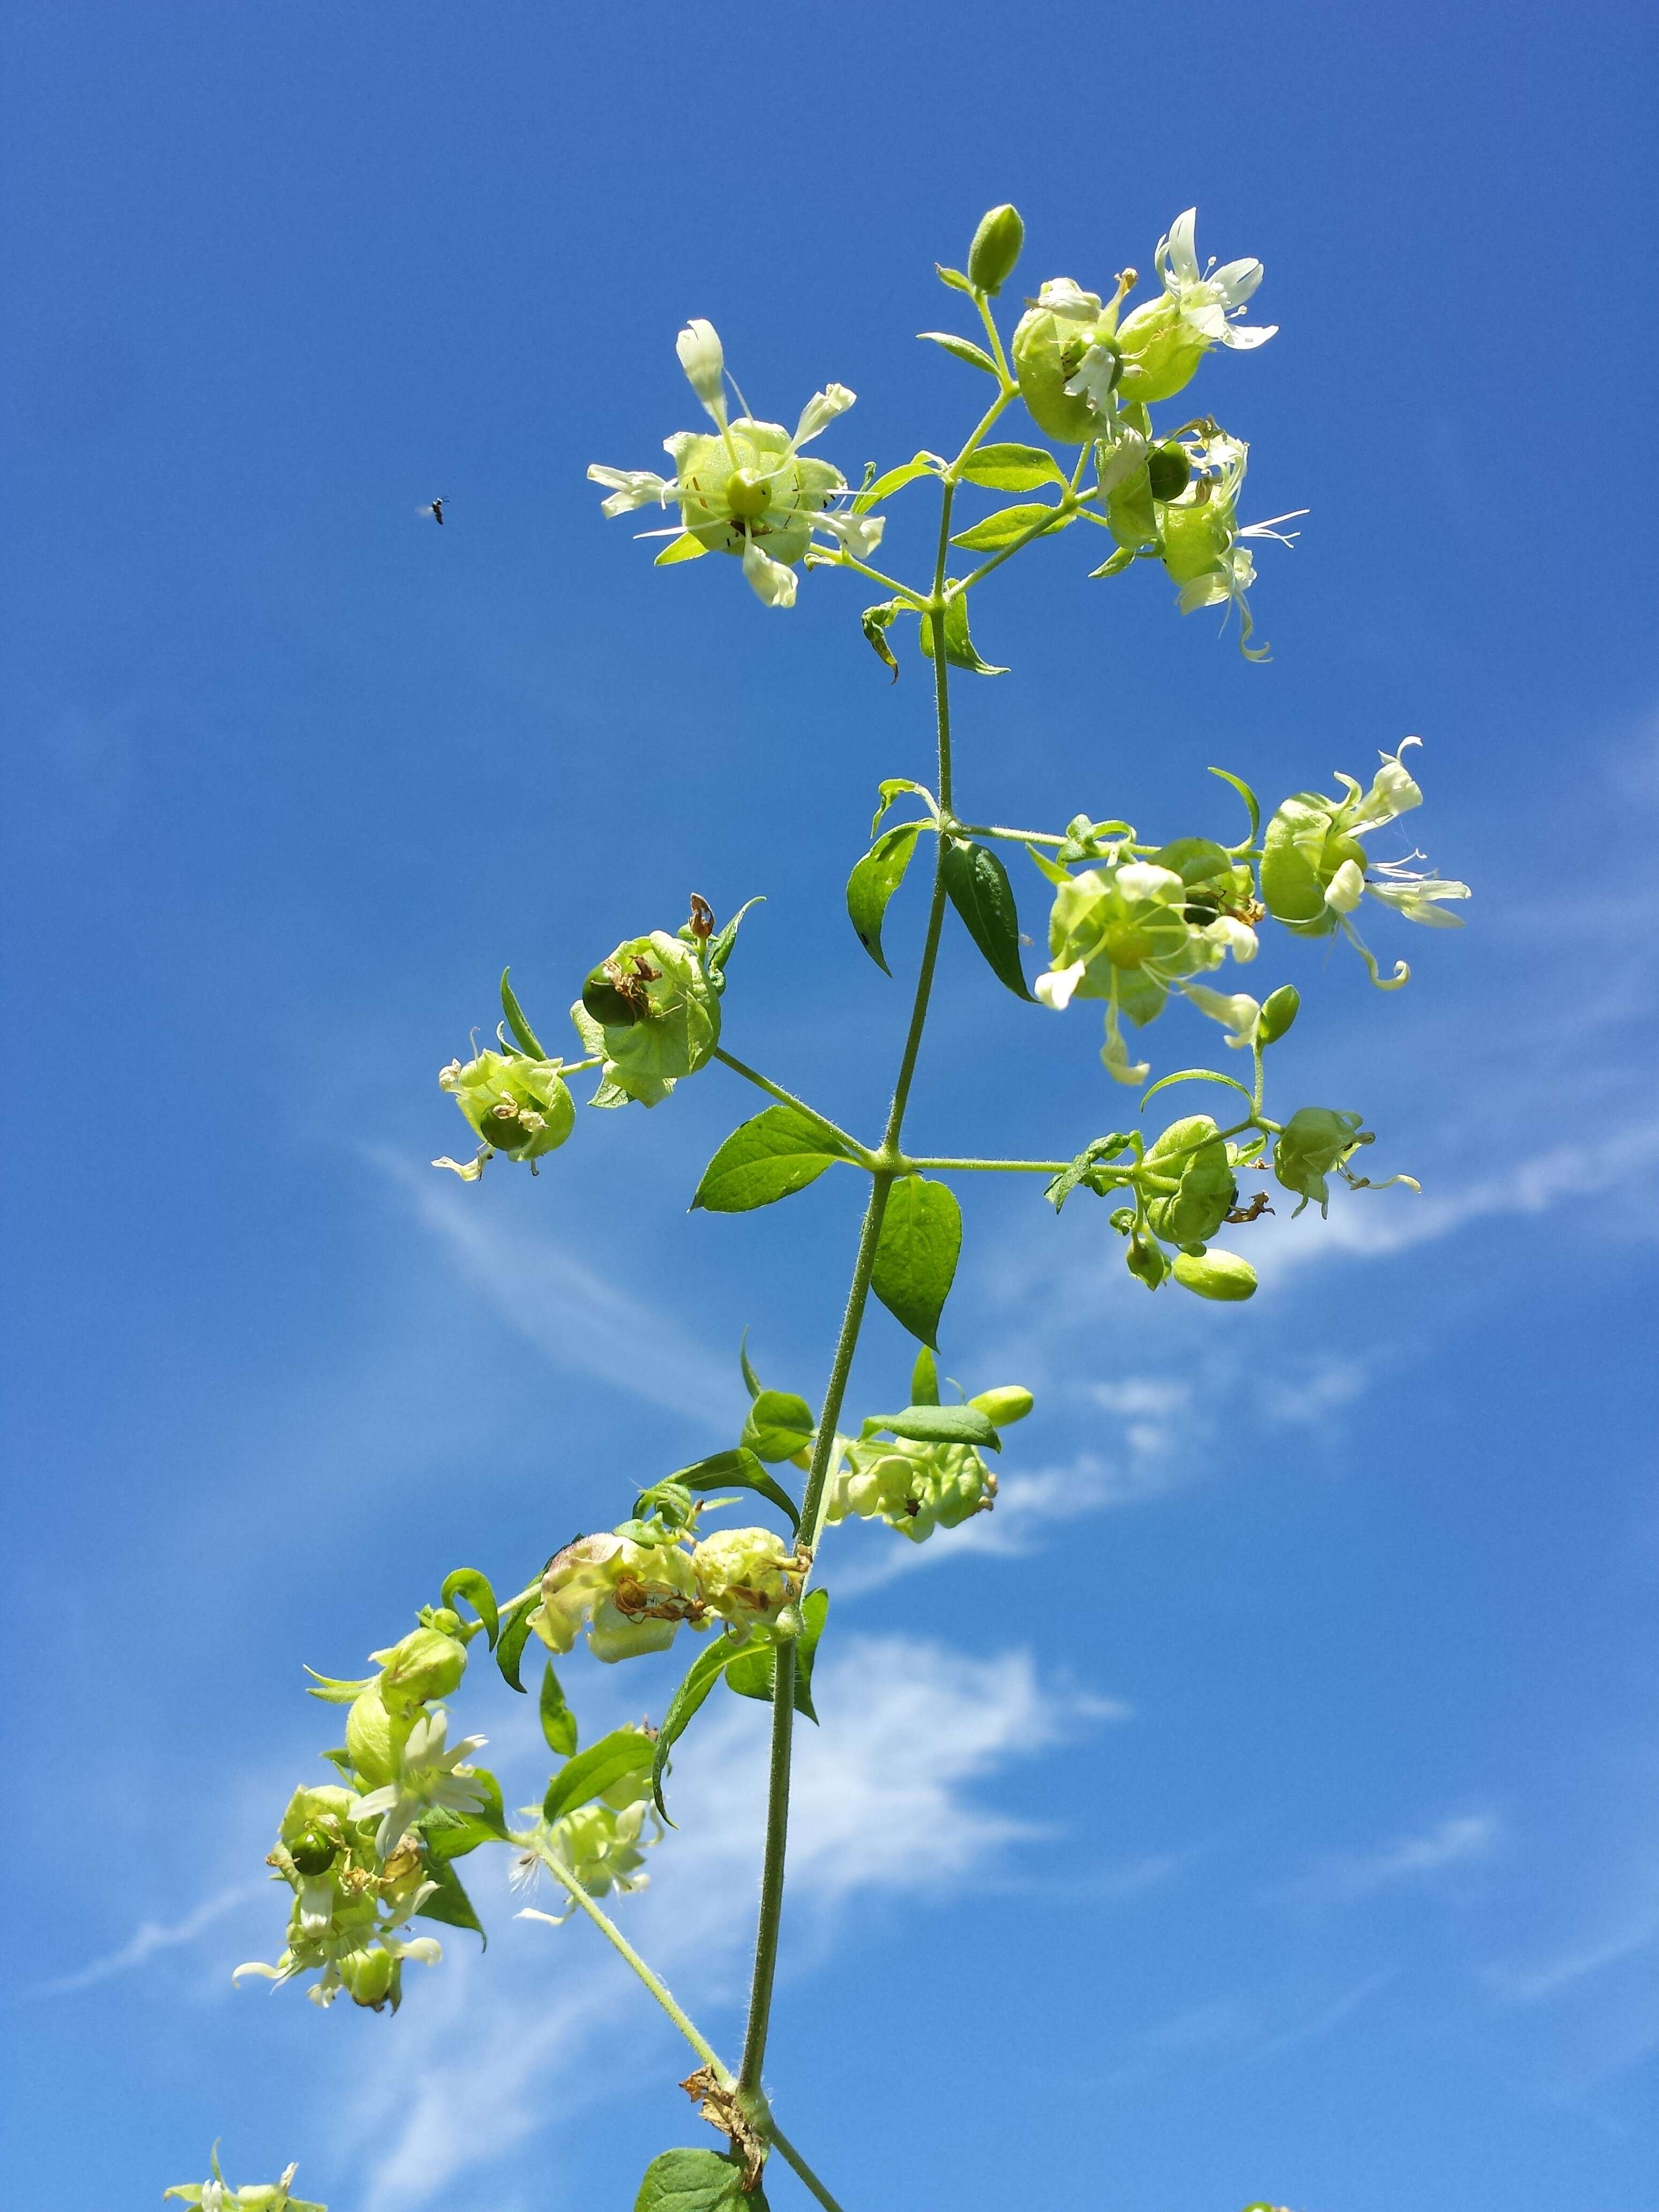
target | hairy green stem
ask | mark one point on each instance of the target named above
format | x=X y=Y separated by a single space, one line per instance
x=787 y=2152
x=659 y=1988
x=988 y=1167
x=783 y=1708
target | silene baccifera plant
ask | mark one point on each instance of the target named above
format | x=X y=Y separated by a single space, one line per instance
x=369 y=1856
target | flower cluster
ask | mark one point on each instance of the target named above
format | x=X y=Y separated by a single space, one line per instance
x=601 y=1843
x=359 y=1860
x=633 y=1588
x=747 y=489
x=216 y=2194
x=917 y=1485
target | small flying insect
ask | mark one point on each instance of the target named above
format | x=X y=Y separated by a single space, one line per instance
x=436 y=509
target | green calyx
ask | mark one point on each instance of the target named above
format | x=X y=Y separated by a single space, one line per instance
x=517 y=1105
x=1191 y=1171
x=651 y=1012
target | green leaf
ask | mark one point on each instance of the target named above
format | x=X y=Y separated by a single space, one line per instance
x=937 y=1425
x=873 y=882
x=963 y=349
x=1115 y=563
x=705 y=1670
x=467 y=1582
x=625 y=1751
x=776 y=1153
x=1012 y=468
x=916 y=1255
x=515 y=1630
x=336 y=1692
x=980 y=890
x=779 y=1425
x=720 y=947
x=1195 y=1075
x=449 y=1902
x=752 y=1381
x=894 y=787
x=516 y=1022
x=696 y=2181
x=1082 y=1168
x=954 y=278
x=753 y=1672
x=1246 y=796
x=741 y=1469
x=924 y=1379
x=875 y=623
x=958 y=646
x=558 y=1722
x=1003 y=527
x=924 y=465
x=452 y=1835
x=685 y=547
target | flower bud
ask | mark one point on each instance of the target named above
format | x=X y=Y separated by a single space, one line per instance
x=1215 y=1274
x=1005 y=1404
x=424 y=1665
x=1279 y=1010
x=1169 y=470
x=995 y=249
x=372 y=1978
x=1145 y=1260
x=445 y=1620
x=371 y=1741
x=1051 y=342
x=1189 y=1182
x=519 y=1106
x=312 y=1852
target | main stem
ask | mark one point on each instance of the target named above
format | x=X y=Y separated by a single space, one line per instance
x=783 y=1694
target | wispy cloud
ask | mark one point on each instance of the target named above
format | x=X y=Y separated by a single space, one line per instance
x=581 y=1322
x=1463 y=1840
x=151 y=1937
x=1579 y=1963
x=487 y=2048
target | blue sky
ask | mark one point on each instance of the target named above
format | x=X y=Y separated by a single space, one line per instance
x=1264 y=1802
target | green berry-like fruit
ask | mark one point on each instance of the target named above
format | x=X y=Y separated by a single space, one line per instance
x=311 y=1851
x=1168 y=471
x=606 y=1003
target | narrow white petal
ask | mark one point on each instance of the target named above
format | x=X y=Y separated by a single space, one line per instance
x=703 y=359
x=820 y=410
x=1181 y=248
x=773 y=583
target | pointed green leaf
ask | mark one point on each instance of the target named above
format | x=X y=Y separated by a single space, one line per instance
x=958 y=645
x=751 y=1382
x=515 y=1630
x=876 y=621
x=516 y=1022
x=625 y=1751
x=1012 y=468
x=753 y=1673
x=916 y=1255
x=449 y=1902
x=924 y=465
x=924 y=1379
x=979 y=888
x=739 y=1469
x=720 y=947
x=705 y=1670
x=696 y=2181
x=335 y=1693
x=954 y=278
x=1003 y=527
x=873 y=882
x=1083 y=1167
x=452 y=1835
x=558 y=1722
x=779 y=1151
x=685 y=547
x=467 y=1582
x=779 y=1425
x=963 y=349
x=1246 y=796
x=937 y=1425
x=1195 y=1075
x=894 y=787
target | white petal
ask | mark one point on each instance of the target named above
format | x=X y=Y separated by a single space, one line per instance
x=1243 y=336
x=774 y=585
x=1345 y=888
x=1180 y=248
x=1236 y=281
x=820 y=410
x=860 y=533
x=1142 y=879
x=1235 y=1009
x=1055 y=989
x=629 y=488
x=1062 y=296
x=703 y=359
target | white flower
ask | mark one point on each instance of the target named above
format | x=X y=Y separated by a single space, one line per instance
x=1207 y=299
x=428 y=1776
x=1055 y=989
x=1414 y=895
x=1345 y=888
x=820 y=410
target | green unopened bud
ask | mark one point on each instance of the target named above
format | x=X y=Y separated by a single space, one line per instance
x=312 y=1852
x=425 y=1665
x=1007 y=1403
x=995 y=249
x=447 y=1621
x=1169 y=470
x=1279 y=1010
x=372 y=1978
x=1145 y=1260
x=1215 y=1274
